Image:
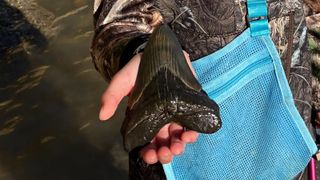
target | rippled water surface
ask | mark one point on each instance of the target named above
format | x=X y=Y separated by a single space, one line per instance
x=50 y=96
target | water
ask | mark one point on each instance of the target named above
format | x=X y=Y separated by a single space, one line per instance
x=49 y=101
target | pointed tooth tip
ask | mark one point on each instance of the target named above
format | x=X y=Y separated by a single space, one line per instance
x=165 y=34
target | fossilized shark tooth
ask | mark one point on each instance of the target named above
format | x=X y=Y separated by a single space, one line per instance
x=166 y=91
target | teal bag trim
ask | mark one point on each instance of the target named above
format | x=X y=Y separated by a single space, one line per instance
x=257 y=17
x=257 y=8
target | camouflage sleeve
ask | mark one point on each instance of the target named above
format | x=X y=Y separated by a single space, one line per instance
x=314 y=46
x=289 y=33
x=121 y=26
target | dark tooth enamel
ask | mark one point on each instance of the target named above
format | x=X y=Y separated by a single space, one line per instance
x=166 y=91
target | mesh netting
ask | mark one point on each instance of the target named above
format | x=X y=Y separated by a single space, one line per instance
x=229 y=60
x=262 y=135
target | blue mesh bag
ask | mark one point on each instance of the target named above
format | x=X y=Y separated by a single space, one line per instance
x=262 y=135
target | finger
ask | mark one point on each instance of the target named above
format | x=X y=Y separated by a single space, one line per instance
x=189 y=136
x=186 y=55
x=117 y=89
x=164 y=155
x=120 y=85
x=149 y=153
x=177 y=146
x=163 y=138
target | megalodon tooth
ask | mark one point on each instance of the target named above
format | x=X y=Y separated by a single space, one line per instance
x=166 y=91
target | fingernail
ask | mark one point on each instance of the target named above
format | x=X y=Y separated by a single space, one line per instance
x=101 y=115
x=178 y=152
x=153 y=160
x=191 y=140
x=187 y=139
x=165 y=158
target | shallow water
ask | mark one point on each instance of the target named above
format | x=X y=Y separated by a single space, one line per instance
x=49 y=103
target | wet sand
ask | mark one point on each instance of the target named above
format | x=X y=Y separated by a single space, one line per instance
x=49 y=100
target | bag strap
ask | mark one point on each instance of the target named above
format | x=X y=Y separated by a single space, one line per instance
x=258 y=17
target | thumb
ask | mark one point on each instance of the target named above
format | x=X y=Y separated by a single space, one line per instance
x=186 y=55
x=120 y=86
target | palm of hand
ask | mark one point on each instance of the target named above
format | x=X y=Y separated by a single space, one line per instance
x=170 y=140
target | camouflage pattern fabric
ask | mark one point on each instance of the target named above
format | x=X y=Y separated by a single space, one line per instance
x=209 y=26
x=313 y=24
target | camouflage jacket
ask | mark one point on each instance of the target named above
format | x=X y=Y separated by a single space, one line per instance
x=123 y=26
